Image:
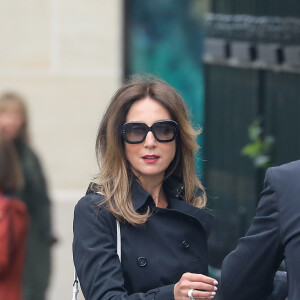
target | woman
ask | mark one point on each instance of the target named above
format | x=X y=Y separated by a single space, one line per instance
x=13 y=127
x=147 y=181
x=13 y=224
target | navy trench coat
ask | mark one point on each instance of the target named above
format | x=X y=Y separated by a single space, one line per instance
x=154 y=255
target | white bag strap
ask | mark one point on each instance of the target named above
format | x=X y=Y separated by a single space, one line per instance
x=75 y=283
x=75 y=286
x=118 y=239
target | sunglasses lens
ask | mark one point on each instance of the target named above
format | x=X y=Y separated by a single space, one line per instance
x=134 y=132
x=164 y=131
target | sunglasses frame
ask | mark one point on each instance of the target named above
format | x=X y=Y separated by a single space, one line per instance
x=152 y=129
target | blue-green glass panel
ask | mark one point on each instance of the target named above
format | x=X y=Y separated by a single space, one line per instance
x=165 y=38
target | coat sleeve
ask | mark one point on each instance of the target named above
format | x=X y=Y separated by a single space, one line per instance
x=248 y=272
x=96 y=260
x=37 y=198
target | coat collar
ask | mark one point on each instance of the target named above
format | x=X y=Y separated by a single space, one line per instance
x=173 y=186
x=174 y=189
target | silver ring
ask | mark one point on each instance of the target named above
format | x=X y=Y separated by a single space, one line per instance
x=190 y=294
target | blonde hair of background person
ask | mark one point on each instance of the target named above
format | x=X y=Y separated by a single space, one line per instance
x=11 y=178
x=18 y=111
x=115 y=173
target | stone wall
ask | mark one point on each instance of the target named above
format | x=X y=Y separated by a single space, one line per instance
x=65 y=58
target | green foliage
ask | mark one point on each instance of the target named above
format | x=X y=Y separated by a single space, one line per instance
x=260 y=147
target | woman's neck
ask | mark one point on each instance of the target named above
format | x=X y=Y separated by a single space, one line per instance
x=156 y=191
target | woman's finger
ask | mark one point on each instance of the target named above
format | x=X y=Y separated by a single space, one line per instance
x=199 y=278
x=203 y=286
x=203 y=295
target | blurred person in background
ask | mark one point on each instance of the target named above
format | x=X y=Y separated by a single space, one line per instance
x=13 y=224
x=14 y=127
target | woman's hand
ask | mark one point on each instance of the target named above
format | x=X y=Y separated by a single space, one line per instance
x=204 y=287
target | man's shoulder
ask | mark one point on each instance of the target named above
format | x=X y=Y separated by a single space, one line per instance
x=288 y=169
x=285 y=180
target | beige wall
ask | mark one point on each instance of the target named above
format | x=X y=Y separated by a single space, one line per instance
x=64 y=56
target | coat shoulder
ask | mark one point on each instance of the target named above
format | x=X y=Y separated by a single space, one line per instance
x=291 y=167
x=286 y=174
x=91 y=205
x=92 y=201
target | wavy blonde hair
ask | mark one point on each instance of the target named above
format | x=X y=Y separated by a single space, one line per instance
x=11 y=178
x=115 y=176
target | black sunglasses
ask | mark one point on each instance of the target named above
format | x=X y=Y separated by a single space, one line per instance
x=136 y=132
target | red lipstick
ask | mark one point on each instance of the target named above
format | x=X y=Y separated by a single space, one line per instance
x=150 y=159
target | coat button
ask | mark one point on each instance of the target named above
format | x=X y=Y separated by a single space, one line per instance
x=142 y=261
x=185 y=244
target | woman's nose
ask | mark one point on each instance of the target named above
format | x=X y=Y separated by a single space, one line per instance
x=150 y=140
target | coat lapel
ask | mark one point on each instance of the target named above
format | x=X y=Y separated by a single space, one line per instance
x=201 y=215
x=175 y=191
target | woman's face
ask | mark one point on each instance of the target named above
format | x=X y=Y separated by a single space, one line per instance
x=149 y=159
x=11 y=121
